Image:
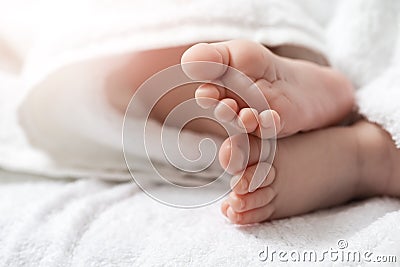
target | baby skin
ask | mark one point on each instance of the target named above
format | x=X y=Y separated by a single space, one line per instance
x=311 y=170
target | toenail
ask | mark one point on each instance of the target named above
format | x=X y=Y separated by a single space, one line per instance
x=266 y=119
x=238 y=218
x=242 y=204
x=234 y=181
x=205 y=103
x=237 y=162
x=244 y=185
x=231 y=214
x=207 y=90
x=224 y=208
x=243 y=161
x=254 y=184
x=239 y=122
x=235 y=217
x=282 y=124
x=265 y=151
x=259 y=176
x=224 y=113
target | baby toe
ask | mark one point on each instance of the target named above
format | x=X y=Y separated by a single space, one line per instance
x=250 y=201
x=248 y=119
x=255 y=176
x=233 y=155
x=254 y=216
x=207 y=95
x=226 y=110
x=239 y=184
x=233 y=216
x=224 y=207
x=270 y=124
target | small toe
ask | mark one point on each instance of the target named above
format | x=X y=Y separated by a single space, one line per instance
x=224 y=207
x=248 y=119
x=207 y=95
x=250 y=201
x=226 y=110
x=256 y=176
x=239 y=184
x=269 y=124
x=252 y=216
x=231 y=155
x=232 y=215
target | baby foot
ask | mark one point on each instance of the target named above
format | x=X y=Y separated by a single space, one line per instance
x=301 y=94
x=310 y=171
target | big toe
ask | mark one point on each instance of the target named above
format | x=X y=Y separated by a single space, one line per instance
x=203 y=62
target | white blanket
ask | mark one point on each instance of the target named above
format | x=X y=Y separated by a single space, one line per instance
x=95 y=223
x=67 y=58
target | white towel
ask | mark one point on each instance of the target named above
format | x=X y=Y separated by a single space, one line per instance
x=364 y=43
x=94 y=223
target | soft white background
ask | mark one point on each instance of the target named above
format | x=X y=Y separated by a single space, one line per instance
x=50 y=45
